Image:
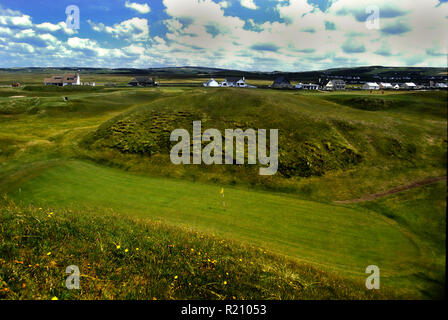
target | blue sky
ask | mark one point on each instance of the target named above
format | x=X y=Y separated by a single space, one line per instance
x=265 y=35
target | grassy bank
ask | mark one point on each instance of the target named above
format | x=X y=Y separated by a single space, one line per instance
x=123 y=258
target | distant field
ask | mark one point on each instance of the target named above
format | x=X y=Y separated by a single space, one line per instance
x=107 y=148
x=7 y=78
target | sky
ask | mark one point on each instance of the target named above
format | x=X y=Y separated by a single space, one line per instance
x=255 y=35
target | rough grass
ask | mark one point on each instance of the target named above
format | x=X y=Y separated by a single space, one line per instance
x=123 y=258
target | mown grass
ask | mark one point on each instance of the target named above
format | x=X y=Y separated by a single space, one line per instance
x=123 y=258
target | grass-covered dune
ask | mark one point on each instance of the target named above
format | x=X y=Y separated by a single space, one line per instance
x=319 y=134
x=123 y=258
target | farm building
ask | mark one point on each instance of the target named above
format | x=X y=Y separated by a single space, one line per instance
x=333 y=85
x=386 y=85
x=396 y=86
x=143 y=81
x=281 y=82
x=307 y=86
x=371 y=86
x=211 y=83
x=409 y=86
x=234 y=82
x=63 y=80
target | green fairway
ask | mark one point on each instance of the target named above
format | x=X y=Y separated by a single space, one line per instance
x=335 y=237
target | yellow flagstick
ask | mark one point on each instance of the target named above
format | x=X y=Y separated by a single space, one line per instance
x=223 y=200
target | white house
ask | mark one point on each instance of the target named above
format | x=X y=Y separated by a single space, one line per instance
x=386 y=85
x=309 y=86
x=409 y=85
x=211 y=83
x=335 y=85
x=371 y=86
x=441 y=85
x=239 y=82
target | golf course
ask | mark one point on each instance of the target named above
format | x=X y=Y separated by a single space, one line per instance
x=86 y=178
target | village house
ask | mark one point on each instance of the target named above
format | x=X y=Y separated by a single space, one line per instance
x=143 y=81
x=239 y=82
x=385 y=85
x=211 y=83
x=282 y=83
x=334 y=85
x=371 y=86
x=63 y=80
x=307 y=86
x=409 y=86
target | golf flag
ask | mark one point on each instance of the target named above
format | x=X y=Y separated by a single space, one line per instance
x=222 y=191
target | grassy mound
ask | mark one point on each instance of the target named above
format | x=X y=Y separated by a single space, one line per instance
x=146 y=130
x=428 y=102
x=120 y=258
x=316 y=137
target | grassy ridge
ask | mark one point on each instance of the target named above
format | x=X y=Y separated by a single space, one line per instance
x=123 y=258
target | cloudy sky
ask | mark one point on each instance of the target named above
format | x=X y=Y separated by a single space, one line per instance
x=265 y=35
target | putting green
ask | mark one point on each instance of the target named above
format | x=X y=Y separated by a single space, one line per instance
x=334 y=237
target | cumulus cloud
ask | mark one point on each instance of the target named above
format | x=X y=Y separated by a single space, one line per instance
x=288 y=35
x=142 y=8
x=249 y=4
x=135 y=29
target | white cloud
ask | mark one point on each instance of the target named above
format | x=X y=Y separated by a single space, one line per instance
x=135 y=29
x=79 y=43
x=249 y=4
x=224 y=4
x=139 y=7
x=47 y=26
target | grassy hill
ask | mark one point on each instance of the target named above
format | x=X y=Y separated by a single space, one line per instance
x=106 y=150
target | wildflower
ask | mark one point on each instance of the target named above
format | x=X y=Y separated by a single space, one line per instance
x=6 y=289
x=118 y=246
x=126 y=250
x=54 y=298
x=175 y=277
x=241 y=260
x=136 y=249
x=37 y=264
x=49 y=253
x=225 y=282
x=23 y=285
